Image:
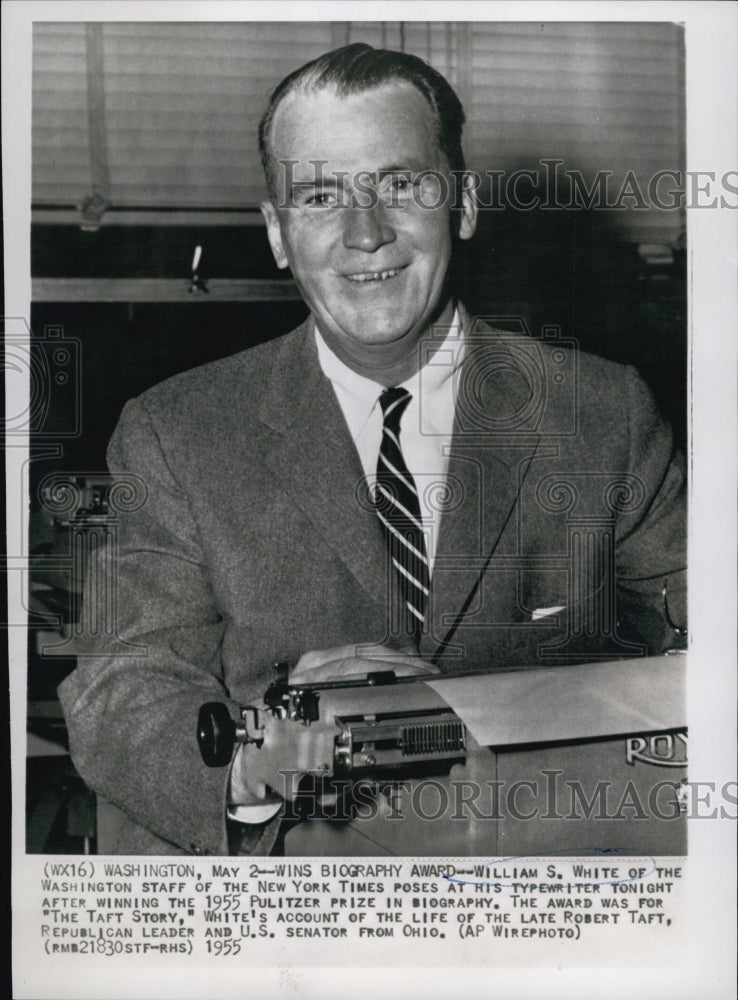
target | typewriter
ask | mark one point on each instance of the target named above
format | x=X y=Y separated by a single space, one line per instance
x=426 y=742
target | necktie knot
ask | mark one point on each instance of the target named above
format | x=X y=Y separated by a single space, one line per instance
x=394 y=401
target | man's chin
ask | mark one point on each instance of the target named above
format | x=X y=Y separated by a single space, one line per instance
x=379 y=330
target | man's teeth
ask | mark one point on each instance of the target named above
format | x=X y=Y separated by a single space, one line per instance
x=373 y=275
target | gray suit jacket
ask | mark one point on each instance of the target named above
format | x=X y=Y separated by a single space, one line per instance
x=250 y=542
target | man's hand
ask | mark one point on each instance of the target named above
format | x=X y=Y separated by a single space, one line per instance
x=244 y=790
x=354 y=660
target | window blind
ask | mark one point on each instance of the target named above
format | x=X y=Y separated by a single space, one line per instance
x=598 y=96
x=181 y=104
x=60 y=156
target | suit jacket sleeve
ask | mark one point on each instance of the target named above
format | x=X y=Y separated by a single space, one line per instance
x=132 y=703
x=651 y=534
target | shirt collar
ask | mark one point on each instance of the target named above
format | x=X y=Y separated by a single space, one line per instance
x=359 y=395
x=356 y=393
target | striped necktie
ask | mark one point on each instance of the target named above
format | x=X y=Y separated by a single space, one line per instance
x=398 y=509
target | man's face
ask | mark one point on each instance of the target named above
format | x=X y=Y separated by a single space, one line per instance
x=352 y=222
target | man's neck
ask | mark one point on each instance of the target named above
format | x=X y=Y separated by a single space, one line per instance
x=375 y=364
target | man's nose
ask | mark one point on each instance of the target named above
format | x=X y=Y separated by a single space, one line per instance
x=368 y=228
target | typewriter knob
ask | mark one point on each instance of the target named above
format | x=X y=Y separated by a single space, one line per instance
x=216 y=732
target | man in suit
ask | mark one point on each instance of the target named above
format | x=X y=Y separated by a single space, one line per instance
x=522 y=505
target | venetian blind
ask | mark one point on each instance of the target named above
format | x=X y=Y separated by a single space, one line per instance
x=601 y=97
x=164 y=115
x=60 y=122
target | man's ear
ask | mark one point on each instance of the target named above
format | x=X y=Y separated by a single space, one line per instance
x=469 y=208
x=274 y=233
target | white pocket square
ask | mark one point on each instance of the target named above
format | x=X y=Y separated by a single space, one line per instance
x=545 y=612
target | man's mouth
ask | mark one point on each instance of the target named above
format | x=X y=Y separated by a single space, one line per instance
x=373 y=275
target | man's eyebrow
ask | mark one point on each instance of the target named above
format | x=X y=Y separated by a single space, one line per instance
x=318 y=183
x=412 y=165
x=389 y=171
x=332 y=180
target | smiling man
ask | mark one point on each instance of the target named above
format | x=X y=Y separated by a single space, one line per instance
x=392 y=482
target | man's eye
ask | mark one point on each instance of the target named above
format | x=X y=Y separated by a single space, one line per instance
x=395 y=189
x=397 y=182
x=321 y=199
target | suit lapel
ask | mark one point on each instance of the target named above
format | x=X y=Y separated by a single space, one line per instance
x=487 y=465
x=316 y=461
